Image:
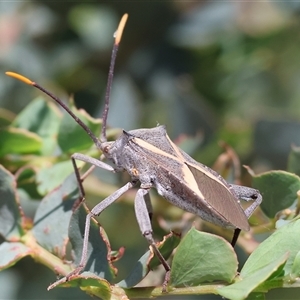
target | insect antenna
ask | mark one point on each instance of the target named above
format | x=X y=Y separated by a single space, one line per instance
x=103 y=138
x=118 y=36
x=57 y=100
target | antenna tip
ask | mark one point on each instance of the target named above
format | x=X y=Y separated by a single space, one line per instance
x=119 y=32
x=20 y=77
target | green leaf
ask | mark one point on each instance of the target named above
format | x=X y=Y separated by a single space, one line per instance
x=71 y=137
x=166 y=247
x=50 y=177
x=203 y=257
x=52 y=218
x=295 y=272
x=10 y=217
x=241 y=289
x=26 y=181
x=279 y=190
x=98 y=247
x=19 y=141
x=90 y=283
x=139 y=271
x=11 y=253
x=149 y=261
x=43 y=118
x=285 y=239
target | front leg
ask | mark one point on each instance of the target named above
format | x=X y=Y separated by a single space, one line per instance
x=94 y=162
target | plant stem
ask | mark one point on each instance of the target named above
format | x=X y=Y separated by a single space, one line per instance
x=44 y=257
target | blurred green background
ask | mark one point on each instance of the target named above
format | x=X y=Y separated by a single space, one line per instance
x=216 y=70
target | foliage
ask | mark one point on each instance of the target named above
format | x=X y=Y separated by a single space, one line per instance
x=210 y=70
x=202 y=263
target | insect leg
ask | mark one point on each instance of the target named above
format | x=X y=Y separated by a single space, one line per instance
x=95 y=163
x=249 y=211
x=96 y=211
x=248 y=194
x=235 y=237
x=149 y=205
x=144 y=222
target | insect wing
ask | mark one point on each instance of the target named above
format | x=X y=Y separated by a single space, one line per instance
x=219 y=197
x=214 y=202
x=215 y=190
